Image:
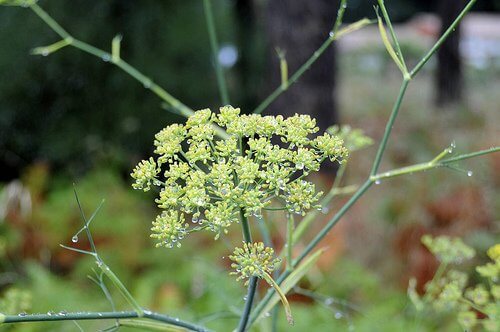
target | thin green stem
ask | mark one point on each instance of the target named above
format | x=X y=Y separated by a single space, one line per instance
x=147 y=82
x=289 y=240
x=71 y=316
x=470 y=155
x=441 y=40
x=214 y=45
x=306 y=65
x=388 y=127
x=436 y=162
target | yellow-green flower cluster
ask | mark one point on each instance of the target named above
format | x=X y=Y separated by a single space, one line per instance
x=448 y=250
x=253 y=260
x=212 y=180
x=449 y=292
x=14 y=301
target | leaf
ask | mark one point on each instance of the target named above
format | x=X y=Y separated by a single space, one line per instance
x=291 y=281
x=352 y=27
x=389 y=47
x=145 y=325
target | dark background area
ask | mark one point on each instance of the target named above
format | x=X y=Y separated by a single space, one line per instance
x=72 y=111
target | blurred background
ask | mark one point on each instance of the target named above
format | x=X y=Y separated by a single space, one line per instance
x=73 y=118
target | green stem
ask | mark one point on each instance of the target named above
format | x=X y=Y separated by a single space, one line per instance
x=441 y=40
x=335 y=219
x=214 y=45
x=311 y=245
x=436 y=162
x=325 y=202
x=388 y=127
x=121 y=287
x=70 y=316
x=304 y=224
x=471 y=155
x=252 y=284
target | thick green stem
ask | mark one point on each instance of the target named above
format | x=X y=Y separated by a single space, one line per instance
x=70 y=316
x=332 y=222
x=311 y=246
x=214 y=45
x=252 y=284
x=388 y=127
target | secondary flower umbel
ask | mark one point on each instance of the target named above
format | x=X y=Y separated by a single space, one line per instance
x=213 y=179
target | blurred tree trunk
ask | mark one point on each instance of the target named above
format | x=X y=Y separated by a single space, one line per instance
x=449 y=76
x=298 y=28
x=249 y=54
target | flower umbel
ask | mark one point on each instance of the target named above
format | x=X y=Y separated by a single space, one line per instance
x=211 y=180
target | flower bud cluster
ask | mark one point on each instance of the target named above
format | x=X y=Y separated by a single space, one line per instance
x=212 y=180
x=253 y=260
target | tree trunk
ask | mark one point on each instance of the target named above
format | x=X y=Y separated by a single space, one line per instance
x=449 y=77
x=298 y=28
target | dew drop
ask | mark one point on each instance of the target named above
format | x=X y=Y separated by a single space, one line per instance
x=331 y=34
x=22 y=314
x=106 y=58
x=267 y=314
x=147 y=84
x=63 y=313
x=245 y=298
x=329 y=301
x=470 y=173
x=177 y=319
x=324 y=210
x=74 y=239
x=453 y=145
x=50 y=313
x=338 y=315
x=378 y=181
x=45 y=52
